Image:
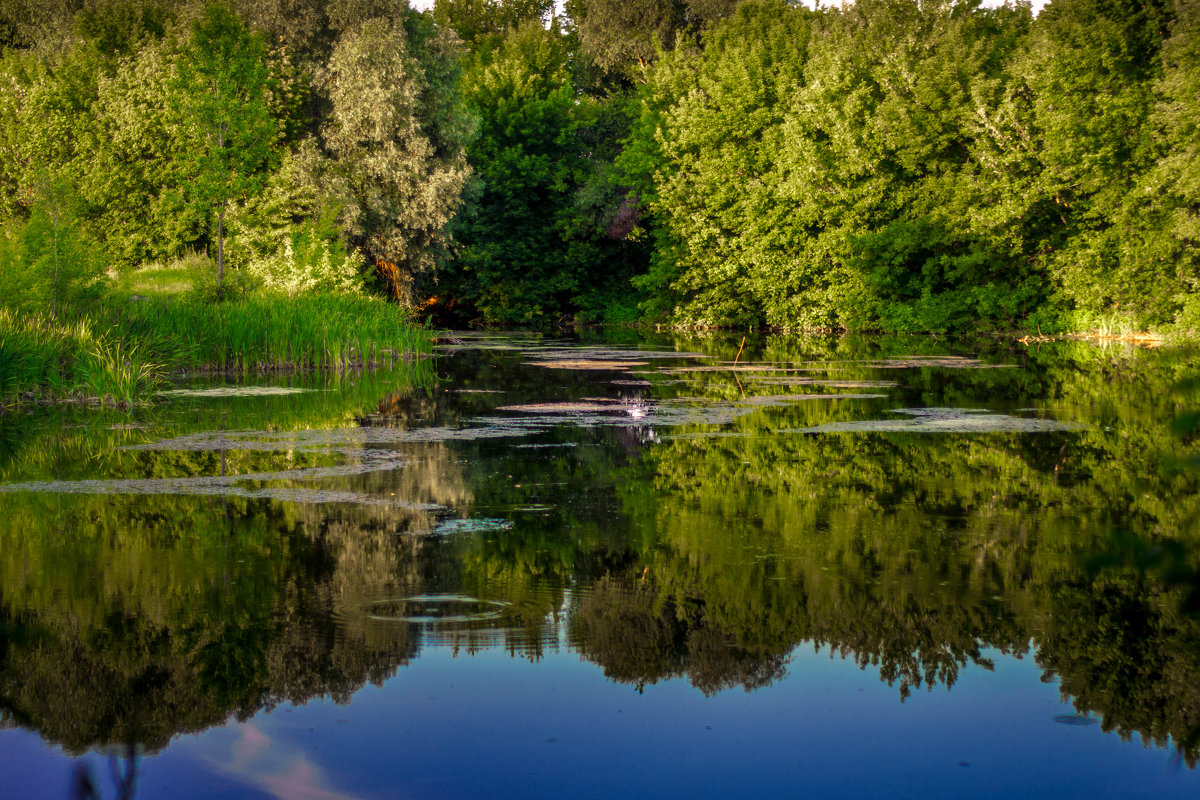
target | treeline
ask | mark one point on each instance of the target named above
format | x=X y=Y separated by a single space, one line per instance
x=294 y=143
x=926 y=166
x=884 y=165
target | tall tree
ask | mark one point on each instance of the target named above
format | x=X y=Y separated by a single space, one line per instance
x=396 y=135
x=225 y=80
x=514 y=264
x=480 y=22
x=622 y=36
x=1164 y=212
x=1091 y=69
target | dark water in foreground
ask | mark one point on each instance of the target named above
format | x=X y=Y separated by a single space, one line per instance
x=836 y=568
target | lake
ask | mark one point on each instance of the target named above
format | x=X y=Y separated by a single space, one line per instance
x=622 y=565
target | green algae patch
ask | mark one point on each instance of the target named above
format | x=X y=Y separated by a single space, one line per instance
x=235 y=391
x=946 y=420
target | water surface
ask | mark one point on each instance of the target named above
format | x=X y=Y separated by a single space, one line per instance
x=822 y=567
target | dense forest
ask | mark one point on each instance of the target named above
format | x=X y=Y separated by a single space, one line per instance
x=884 y=165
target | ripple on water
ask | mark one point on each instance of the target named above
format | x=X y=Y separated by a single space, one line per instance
x=434 y=609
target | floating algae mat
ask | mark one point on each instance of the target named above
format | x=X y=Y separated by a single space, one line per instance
x=588 y=364
x=913 y=362
x=650 y=412
x=829 y=383
x=343 y=440
x=450 y=527
x=236 y=485
x=568 y=408
x=946 y=420
x=234 y=391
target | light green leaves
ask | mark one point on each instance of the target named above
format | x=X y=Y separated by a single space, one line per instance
x=400 y=179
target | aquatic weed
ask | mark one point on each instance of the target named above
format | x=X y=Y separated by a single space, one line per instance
x=118 y=373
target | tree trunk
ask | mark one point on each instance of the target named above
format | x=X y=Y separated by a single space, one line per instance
x=220 y=245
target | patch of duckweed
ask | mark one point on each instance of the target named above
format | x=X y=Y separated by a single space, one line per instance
x=435 y=609
x=946 y=420
x=470 y=525
x=601 y=412
x=783 y=399
x=344 y=440
x=731 y=368
x=587 y=364
x=552 y=350
x=831 y=384
x=561 y=408
x=236 y=485
x=234 y=391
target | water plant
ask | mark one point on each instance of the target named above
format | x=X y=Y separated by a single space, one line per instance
x=146 y=339
x=272 y=332
x=117 y=373
x=35 y=351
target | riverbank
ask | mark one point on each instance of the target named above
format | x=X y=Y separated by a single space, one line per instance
x=123 y=349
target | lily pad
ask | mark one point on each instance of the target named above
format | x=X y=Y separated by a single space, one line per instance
x=470 y=525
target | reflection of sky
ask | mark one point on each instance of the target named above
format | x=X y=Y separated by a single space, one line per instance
x=495 y=726
x=277 y=768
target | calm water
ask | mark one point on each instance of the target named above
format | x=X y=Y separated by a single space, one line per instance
x=834 y=568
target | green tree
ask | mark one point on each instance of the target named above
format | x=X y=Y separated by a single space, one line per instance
x=482 y=23
x=624 y=37
x=1091 y=69
x=137 y=158
x=396 y=135
x=703 y=157
x=1164 y=211
x=45 y=115
x=54 y=265
x=516 y=262
x=234 y=135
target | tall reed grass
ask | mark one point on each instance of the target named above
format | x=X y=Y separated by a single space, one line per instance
x=116 y=372
x=267 y=332
x=36 y=352
x=122 y=349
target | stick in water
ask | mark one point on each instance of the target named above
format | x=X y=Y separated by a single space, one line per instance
x=739 y=355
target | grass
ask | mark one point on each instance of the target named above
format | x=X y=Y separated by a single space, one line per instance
x=116 y=373
x=36 y=351
x=124 y=348
x=161 y=280
x=269 y=332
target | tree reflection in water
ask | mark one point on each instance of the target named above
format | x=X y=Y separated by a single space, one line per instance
x=122 y=771
x=678 y=555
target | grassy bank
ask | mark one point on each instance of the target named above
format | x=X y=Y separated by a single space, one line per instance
x=121 y=350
